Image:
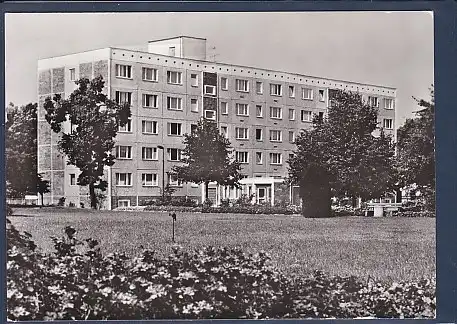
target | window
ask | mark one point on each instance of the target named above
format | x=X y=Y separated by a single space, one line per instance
x=149 y=127
x=127 y=128
x=259 y=87
x=210 y=114
x=224 y=84
x=194 y=80
x=149 y=100
x=307 y=94
x=174 y=154
x=291 y=136
x=224 y=131
x=123 y=152
x=149 y=179
x=276 y=112
x=373 y=101
x=123 y=203
x=72 y=179
x=321 y=95
x=242 y=85
x=149 y=153
x=388 y=103
x=173 y=181
x=194 y=105
x=210 y=90
x=258 y=134
x=275 y=135
x=242 y=157
x=321 y=115
x=193 y=128
x=291 y=156
x=291 y=91
x=149 y=74
x=123 y=97
x=258 y=111
x=388 y=123
x=275 y=158
x=291 y=114
x=275 y=89
x=72 y=74
x=174 y=129
x=174 y=103
x=174 y=77
x=224 y=108
x=258 y=157
x=242 y=109
x=123 y=179
x=172 y=51
x=124 y=71
x=241 y=133
x=306 y=116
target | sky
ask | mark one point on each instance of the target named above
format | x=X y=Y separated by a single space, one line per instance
x=392 y=49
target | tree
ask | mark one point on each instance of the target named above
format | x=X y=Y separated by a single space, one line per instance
x=21 y=149
x=416 y=149
x=206 y=158
x=42 y=187
x=340 y=156
x=93 y=122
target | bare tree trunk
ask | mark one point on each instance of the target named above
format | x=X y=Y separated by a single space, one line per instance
x=42 y=200
x=206 y=190
x=316 y=201
x=354 y=201
x=398 y=195
x=316 y=197
x=93 y=198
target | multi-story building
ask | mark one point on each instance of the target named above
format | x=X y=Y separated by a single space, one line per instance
x=170 y=87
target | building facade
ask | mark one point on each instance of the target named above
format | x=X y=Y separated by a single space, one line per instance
x=172 y=86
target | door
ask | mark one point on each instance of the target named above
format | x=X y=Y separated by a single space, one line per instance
x=261 y=195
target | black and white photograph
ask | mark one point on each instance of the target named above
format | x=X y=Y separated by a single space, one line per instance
x=220 y=165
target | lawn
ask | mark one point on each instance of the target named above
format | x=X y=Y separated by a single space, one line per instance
x=388 y=249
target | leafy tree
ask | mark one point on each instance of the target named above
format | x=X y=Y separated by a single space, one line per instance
x=206 y=158
x=93 y=120
x=340 y=156
x=42 y=187
x=21 y=149
x=416 y=149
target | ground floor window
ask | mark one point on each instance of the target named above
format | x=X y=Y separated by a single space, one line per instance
x=123 y=203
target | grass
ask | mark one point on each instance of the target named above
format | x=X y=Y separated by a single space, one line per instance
x=387 y=249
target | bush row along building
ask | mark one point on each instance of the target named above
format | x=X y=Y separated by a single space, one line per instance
x=170 y=87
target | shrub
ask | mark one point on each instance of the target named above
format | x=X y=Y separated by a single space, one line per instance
x=78 y=282
x=342 y=211
x=183 y=201
x=172 y=208
x=244 y=200
x=225 y=203
x=9 y=210
x=207 y=203
x=61 y=202
x=252 y=209
x=409 y=213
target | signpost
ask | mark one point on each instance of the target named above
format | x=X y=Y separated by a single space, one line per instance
x=173 y=216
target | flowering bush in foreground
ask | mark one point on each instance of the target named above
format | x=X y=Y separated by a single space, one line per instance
x=78 y=282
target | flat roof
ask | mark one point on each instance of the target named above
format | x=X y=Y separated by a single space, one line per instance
x=259 y=68
x=226 y=64
x=181 y=36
